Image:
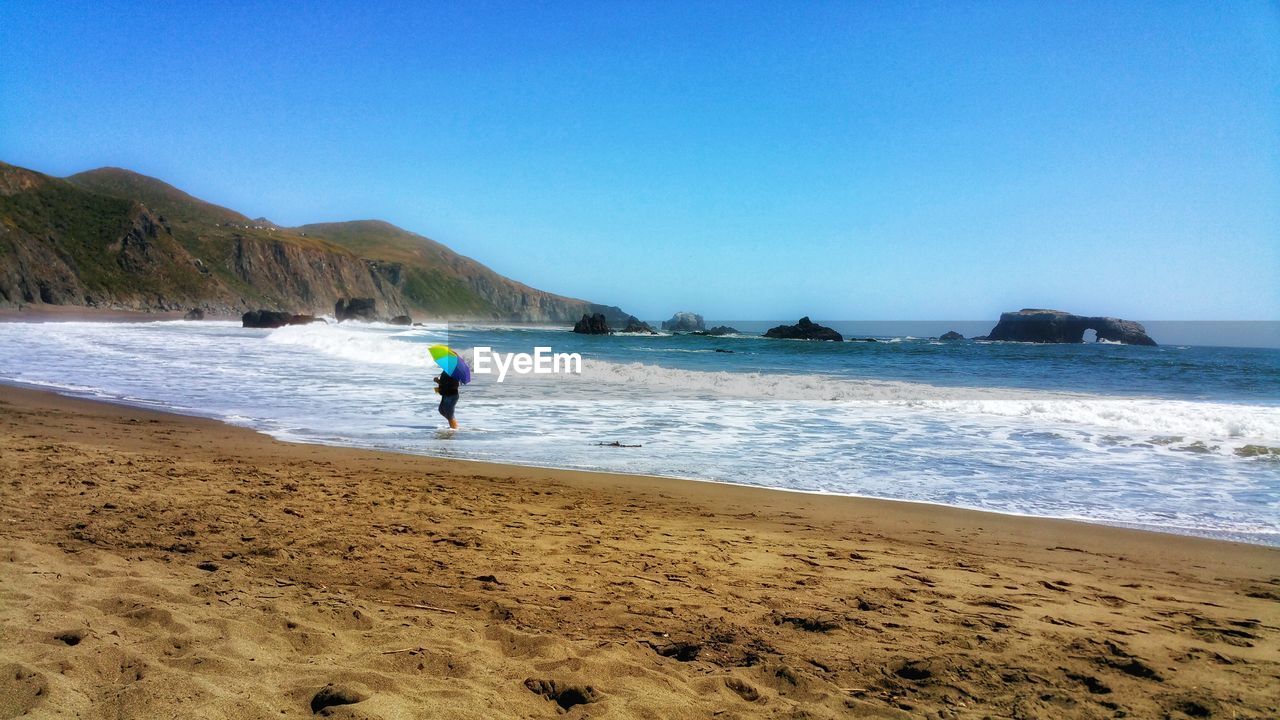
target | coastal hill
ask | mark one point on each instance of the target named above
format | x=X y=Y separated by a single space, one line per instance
x=113 y=238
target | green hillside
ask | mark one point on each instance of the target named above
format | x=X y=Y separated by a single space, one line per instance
x=210 y=232
x=435 y=276
x=65 y=242
x=68 y=246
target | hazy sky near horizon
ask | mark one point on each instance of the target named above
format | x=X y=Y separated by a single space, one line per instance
x=743 y=160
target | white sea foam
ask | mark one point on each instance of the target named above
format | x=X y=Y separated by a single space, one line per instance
x=1236 y=424
x=369 y=344
x=1223 y=424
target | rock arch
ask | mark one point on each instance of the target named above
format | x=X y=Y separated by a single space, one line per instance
x=1056 y=326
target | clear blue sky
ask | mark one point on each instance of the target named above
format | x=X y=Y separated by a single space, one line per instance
x=845 y=160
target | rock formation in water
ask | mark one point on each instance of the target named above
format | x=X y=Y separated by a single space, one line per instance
x=717 y=331
x=1056 y=326
x=684 y=322
x=365 y=309
x=595 y=324
x=951 y=335
x=275 y=319
x=635 y=325
x=806 y=329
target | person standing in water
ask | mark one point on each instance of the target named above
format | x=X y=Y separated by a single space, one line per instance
x=447 y=388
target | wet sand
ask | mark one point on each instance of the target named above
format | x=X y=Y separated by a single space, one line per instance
x=160 y=566
x=76 y=313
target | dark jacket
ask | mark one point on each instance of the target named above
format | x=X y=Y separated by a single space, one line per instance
x=447 y=385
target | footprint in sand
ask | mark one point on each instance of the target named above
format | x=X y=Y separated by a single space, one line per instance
x=334 y=695
x=745 y=690
x=70 y=637
x=22 y=689
x=566 y=695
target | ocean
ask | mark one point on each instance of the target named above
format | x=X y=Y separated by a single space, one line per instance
x=1158 y=438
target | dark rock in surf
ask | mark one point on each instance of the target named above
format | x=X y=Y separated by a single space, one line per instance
x=1258 y=451
x=951 y=335
x=806 y=329
x=194 y=314
x=684 y=322
x=365 y=309
x=717 y=331
x=264 y=319
x=592 y=325
x=1055 y=326
x=636 y=326
x=401 y=320
x=863 y=340
x=273 y=319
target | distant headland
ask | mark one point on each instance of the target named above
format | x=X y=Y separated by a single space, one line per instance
x=112 y=239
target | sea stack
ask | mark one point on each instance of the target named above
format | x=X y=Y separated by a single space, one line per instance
x=274 y=319
x=635 y=325
x=684 y=322
x=1056 y=326
x=806 y=329
x=592 y=325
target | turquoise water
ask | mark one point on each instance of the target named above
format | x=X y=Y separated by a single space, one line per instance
x=1145 y=437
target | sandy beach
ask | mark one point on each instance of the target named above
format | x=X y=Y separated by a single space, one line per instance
x=165 y=566
x=73 y=313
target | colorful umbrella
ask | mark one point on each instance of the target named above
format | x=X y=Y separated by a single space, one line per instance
x=452 y=363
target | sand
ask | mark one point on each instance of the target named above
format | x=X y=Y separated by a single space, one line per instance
x=162 y=566
x=76 y=313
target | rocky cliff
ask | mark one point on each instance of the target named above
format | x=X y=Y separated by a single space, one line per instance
x=62 y=246
x=310 y=278
x=113 y=238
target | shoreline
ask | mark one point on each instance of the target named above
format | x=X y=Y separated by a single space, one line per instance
x=47 y=397
x=77 y=313
x=490 y=464
x=235 y=575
